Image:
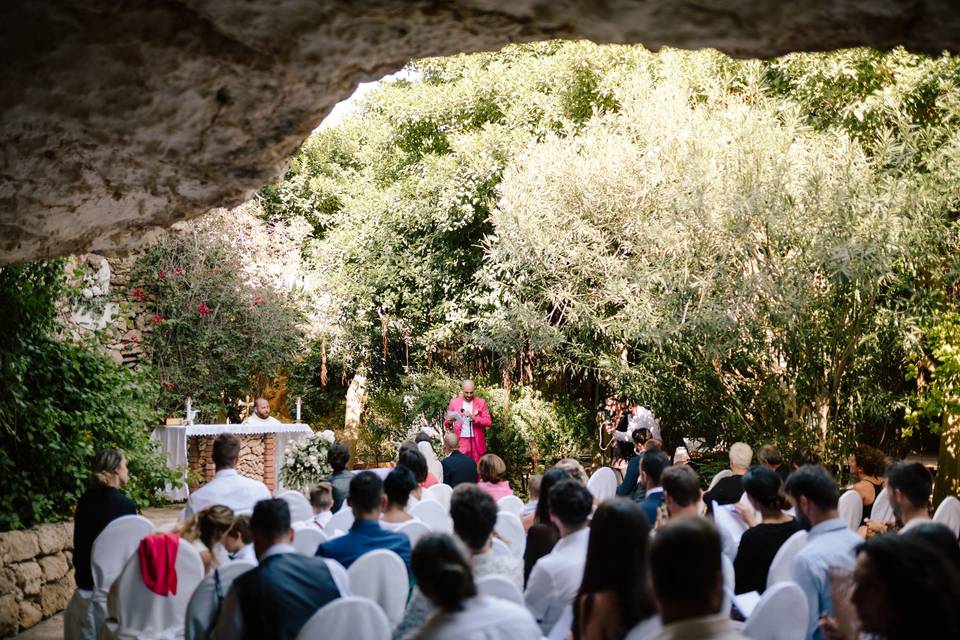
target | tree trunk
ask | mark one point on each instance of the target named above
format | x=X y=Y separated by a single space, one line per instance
x=356 y=398
x=948 y=462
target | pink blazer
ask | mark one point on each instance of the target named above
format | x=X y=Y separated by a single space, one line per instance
x=476 y=446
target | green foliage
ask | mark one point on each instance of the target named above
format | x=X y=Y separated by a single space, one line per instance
x=323 y=396
x=940 y=377
x=63 y=402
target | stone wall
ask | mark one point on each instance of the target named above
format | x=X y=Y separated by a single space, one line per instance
x=36 y=575
x=257 y=459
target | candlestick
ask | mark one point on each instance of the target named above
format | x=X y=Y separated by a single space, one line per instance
x=298 y=408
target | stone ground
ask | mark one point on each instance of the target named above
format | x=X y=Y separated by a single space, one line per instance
x=52 y=628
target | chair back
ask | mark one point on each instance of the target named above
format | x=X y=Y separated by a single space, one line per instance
x=726 y=473
x=882 y=511
x=510 y=529
x=948 y=514
x=511 y=504
x=603 y=483
x=500 y=547
x=342 y=520
x=729 y=583
x=381 y=576
x=112 y=548
x=306 y=540
x=439 y=493
x=850 y=508
x=300 y=508
x=433 y=515
x=414 y=530
x=141 y=613
x=205 y=603
x=433 y=465
x=781 y=566
x=563 y=625
x=351 y=617
x=500 y=587
x=781 y=614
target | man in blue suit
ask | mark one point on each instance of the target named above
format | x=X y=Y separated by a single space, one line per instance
x=275 y=599
x=651 y=468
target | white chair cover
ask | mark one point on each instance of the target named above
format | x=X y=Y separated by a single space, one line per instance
x=510 y=529
x=353 y=617
x=113 y=547
x=882 y=511
x=205 y=603
x=729 y=583
x=433 y=465
x=850 y=508
x=500 y=547
x=511 y=504
x=563 y=625
x=500 y=587
x=300 y=508
x=781 y=566
x=603 y=483
x=78 y=618
x=745 y=501
x=781 y=614
x=140 y=613
x=414 y=530
x=440 y=493
x=306 y=540
x=381 y=576
x=647 y=629
x=433 y=515
x=948 y=514
x=342 y=520
x=726 y=473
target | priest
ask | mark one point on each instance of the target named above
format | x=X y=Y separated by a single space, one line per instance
x=469 y=417
x=261 y=413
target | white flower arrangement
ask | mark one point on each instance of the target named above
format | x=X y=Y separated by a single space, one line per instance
x=305 y=461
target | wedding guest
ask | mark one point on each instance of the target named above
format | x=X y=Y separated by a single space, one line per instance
x=909 y=485
x=338 y=456
x=763 y=539
x=228 y=488
x=442 y=569
x=652 y=466
x=769 y=457
x=366 y=499
x=830 y=543
x=321 y=501
x=556 y=576
x=275 y=599
x=543 y=533
x=681 y=491
x=866 y=465
x=574 y=468
x=492 y=469
x=530 y=507
x=411 y=458
x=205 y=530
x=458 y=467
x=238 y=541
x=614 y=595
x=398 y=486
x=631 y=487
x=729 y=489
x=939 y=536
x=688 y=581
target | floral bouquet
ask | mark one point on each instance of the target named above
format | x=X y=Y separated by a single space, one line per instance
x=305 y=462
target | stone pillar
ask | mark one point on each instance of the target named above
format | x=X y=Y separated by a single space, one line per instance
x=270 y=461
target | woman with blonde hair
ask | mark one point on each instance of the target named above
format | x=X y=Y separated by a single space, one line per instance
x=205 y=530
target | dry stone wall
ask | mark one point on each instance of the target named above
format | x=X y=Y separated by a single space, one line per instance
x=36 y=575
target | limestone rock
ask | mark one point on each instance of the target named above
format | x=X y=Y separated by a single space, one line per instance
x=30 y=614
x=29 y=577
x=8 y=580
x=9 y=615
x=16 y=546
x=121 y=119
x=54 y=537
x=54 y=567
x=54 y=597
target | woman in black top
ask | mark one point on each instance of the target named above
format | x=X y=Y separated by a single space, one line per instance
x=866 y=464
x=101 y=504
x=762 y=540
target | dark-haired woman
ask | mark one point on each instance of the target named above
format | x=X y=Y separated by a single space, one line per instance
x=543 y=534
x=866 y=464
x=614 y=595
x=762 y=540
x=441 y=566
x=398 y=486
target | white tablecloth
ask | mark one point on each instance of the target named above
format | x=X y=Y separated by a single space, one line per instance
x=173 y=442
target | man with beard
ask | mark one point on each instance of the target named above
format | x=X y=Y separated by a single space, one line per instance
x=909 y=485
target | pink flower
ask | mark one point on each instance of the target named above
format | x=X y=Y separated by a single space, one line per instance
x=258 y=300
x=157 y=320
x=178 y=271
x=138 y=294
x=203 y=309
x=161 y=273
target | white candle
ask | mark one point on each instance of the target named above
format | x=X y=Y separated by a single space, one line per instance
x=298 y=409
x=189 y=414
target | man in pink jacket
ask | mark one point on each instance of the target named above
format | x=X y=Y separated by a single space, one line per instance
x=469 y=418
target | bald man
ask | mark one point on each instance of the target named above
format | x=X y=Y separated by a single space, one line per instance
x=261 y=413
x=469 y=417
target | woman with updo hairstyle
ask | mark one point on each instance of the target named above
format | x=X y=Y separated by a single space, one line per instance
x=763 y=539
x=205 y=530
x=444 y=574
x=866 y=466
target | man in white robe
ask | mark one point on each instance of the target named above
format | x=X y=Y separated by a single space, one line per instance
x=261 y=413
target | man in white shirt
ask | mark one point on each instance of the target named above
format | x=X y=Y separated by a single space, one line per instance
x=228 y=487
x=909 y=485
x=261 y=413
x=555 y=578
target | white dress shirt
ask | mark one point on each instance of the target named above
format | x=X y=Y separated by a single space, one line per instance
x=255 y=419
x=716 y=627
x=482 y=618
x=916 y=522
x=245 y=554
x=555 y=579
x=230 y=489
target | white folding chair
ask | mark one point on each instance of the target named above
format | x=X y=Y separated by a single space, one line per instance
x=729 y=583
x=850 y=508
x=500 y=547
x=300 y=508
x=882 y=511
x=500 y=587
x=948 y=514
x=204 y=605
x=352 y=617
x=433 y=515
x=603 y=483
x=112 y=548
x=414 y=530
x=781 y=567
x=381 y=576
x=510 y=529
x=141 y=613
x=341 y=520
x=726 y=473
x=781 y=614
x=306 y=540
x=440 y=493
x=511 y=504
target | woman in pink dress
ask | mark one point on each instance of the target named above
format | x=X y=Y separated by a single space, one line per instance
x=492 y=470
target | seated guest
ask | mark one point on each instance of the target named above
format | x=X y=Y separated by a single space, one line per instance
x=681 y=492
x=652 y=464
x=614 y=595
x=556 y=577
x=205 y=530
x=866 y=465
x=366 y=499
x=909 y=485
x=458 y=467
x=631 y=485
x=492 y=470
x=275 y=599
x=442 y=569
x=238 y=541
x=543 y=534
x=688 y=581
x=763 y=539
x=228 y=488
x=729 y=490
x=574 y=468
x=830 y=543
x=939 y=536
x=321 y=500
x=411 y=458
x=397 y=487
x=533 y=489
x=804 y=456
x=769 y=456
x=338 y=455
x=474 y=515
